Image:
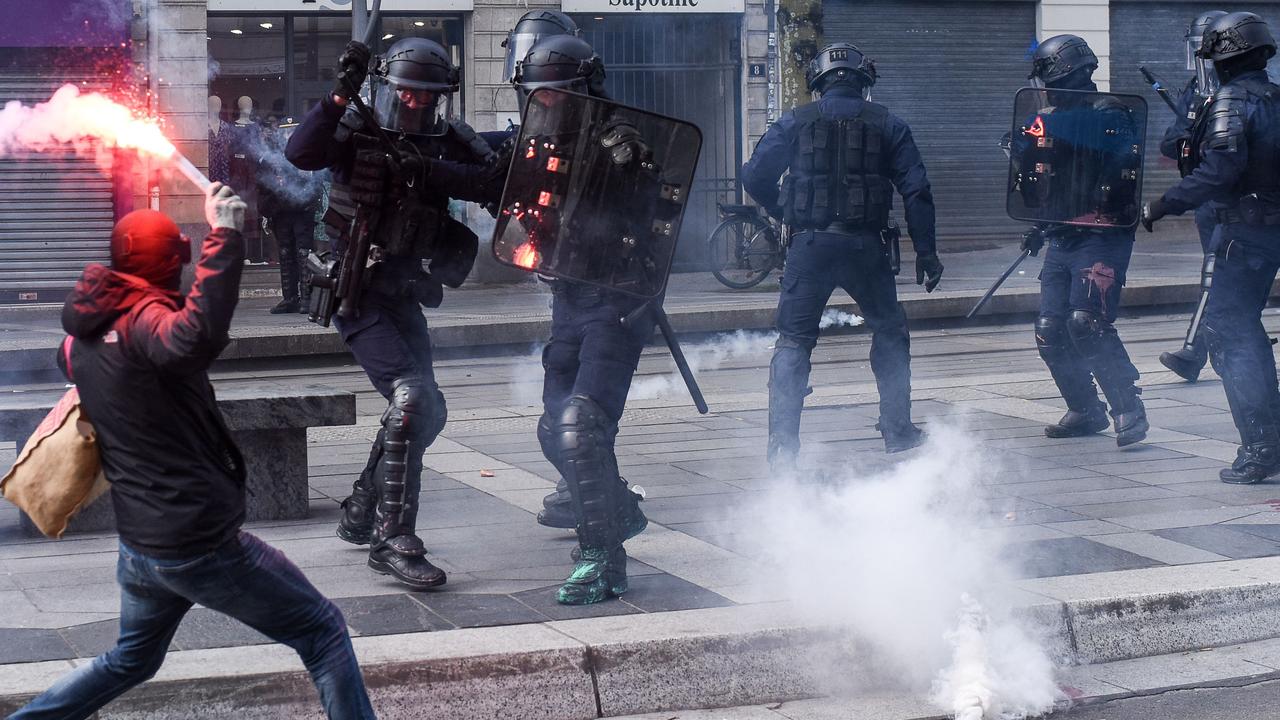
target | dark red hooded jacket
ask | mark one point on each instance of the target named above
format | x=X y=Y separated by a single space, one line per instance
x=140 y=359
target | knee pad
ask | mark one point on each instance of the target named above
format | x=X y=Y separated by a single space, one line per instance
x=547 y=437
x=583 y=428
x=1052 y=339
x=417 y=410
x=1088 y=331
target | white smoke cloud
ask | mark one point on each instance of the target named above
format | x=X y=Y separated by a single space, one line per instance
x=896 y=555
x=525 y=383
x=832 y=317
x=708 y=355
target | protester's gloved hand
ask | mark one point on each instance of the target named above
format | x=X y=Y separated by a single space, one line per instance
x=1152 y=212
x=353 y=68
x=223 y=208
x=928 y=271
x=625 y=144
x=1032 y=241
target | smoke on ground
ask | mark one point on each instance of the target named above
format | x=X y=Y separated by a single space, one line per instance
x=898 y=556
x=525 y=384
x=832 y=317
x=703 y=356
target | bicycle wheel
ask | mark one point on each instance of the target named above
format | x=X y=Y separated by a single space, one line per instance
x=742 y=251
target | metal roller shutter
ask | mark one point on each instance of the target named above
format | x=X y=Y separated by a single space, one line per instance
x=950 y=69
x=56 y=211
x=1151 y=34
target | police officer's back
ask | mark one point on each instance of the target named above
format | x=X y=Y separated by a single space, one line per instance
x=845 y=155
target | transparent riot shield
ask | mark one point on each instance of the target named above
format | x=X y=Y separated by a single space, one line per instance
x=1075 y=157
x=596 y=192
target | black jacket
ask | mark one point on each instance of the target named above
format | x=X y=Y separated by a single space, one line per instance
x=139 y=358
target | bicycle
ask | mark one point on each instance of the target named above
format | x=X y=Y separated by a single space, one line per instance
x=746 y=246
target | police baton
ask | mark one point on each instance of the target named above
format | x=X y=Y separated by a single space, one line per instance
x=668 y=334
x=996 y=286
x=1159 y=87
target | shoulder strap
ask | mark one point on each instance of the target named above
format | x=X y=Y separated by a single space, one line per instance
x=66 y=356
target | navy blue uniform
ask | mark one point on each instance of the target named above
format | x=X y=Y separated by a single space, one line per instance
x=1176 y=138
x=1237 y=176
x=841 y=255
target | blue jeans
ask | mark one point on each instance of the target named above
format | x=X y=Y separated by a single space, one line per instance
x=244 y=578
x=818 y=263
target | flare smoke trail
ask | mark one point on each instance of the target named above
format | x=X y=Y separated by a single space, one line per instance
x=832 y=317
x=898 y=557
x=90 y=125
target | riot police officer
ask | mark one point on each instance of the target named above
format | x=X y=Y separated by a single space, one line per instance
x=845 y=156
x=391 y=187
x=1189 y=360
x=1083 y=272
x=1235 y=162
x=590 y=359
x=533 y=26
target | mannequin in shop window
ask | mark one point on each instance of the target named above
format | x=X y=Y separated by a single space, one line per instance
x=219 y=142
x=246 y=152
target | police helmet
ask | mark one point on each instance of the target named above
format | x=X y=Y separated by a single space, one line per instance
x=1235 y=34
x=1059 y=56
x=561 y=61
x=532 y=27
x=414 y=84
x=838 y=62
x=1206 y=78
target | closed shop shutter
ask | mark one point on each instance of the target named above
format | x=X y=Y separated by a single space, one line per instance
x=1152 y=34
x=949 y=68
x=56 y=211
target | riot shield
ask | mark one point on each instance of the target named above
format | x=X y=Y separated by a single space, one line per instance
x=1075 y=157
x=596 y=192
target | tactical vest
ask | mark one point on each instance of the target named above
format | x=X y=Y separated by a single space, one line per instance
x=839 y=170
x=1262 y=174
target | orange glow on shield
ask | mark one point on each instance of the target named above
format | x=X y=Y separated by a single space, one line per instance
x=530 y=153
x=1037 y=128
x=527 y=256
x=545 y=199
x=553 y=164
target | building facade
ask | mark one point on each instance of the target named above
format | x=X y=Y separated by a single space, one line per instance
x=949 y=67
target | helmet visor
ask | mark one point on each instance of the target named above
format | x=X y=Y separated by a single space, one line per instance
x=413 y=111
x=577 y=85
x=518 y=46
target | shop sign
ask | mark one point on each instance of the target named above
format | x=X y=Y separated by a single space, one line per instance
x=655 y=6
x=302 y=6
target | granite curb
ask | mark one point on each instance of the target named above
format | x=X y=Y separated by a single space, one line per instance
x=462 y=333
x=717 y=657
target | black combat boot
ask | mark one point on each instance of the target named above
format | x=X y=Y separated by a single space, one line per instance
x=1078 y=423
x=1254 y=462
x=356 y=525
x=1131 y=425
x=1185 y=363
x=395 y=550
x=557 y=508
x=900 y=436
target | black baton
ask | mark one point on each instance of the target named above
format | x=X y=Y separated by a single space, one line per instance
x=1000 y=281
x=668 y=334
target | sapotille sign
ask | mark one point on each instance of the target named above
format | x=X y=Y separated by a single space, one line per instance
x=655 y=6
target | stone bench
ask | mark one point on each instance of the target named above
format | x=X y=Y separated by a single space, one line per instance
x=268 y=421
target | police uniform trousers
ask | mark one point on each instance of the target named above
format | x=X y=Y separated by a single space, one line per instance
x=295 y=234
x=1080 y=285
x=1248 y=257
x=818 y=263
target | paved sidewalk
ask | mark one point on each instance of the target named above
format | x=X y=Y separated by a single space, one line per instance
x=1165 y=270
x=1068 y=507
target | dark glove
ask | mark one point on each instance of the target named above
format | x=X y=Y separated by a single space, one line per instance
x=353 y=68
x=928 y=271
x=1032 y=241
x=413 y=169
x=1152 y=212
x=625 y=144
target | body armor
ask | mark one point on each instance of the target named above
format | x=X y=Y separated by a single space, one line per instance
x=839 y=170
x=1222 y=127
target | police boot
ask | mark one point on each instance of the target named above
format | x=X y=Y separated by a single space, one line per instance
x=1185 y=363
x=304 y=284
x=788 y=387
x=1257 y=459
x=289 y=301
x=1078 y=423
x=900 y=436
x=631 y=519
x=395 y=549
x=557 y=508
x=1131 y=425
x=356 y=525
x=600 y=573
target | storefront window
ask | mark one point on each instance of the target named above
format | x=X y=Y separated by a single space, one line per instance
x=247 y=70
x=318 y=42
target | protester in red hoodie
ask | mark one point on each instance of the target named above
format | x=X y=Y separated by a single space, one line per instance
x=139 y=356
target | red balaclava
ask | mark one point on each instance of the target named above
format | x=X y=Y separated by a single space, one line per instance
x=148 y=244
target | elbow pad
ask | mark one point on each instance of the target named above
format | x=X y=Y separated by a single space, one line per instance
x=1225 y=122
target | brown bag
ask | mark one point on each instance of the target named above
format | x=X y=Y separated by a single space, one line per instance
x=58 y=471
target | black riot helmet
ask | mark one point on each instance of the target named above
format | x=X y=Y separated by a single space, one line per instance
x=1206 y=78
x=1056 y=61
x=1238 y=42
x=841 y=63
x=561 y=61
x=413 y=87
x=532 y=27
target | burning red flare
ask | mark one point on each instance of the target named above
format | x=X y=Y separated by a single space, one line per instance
x=527 y=256
x=1037 y=128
